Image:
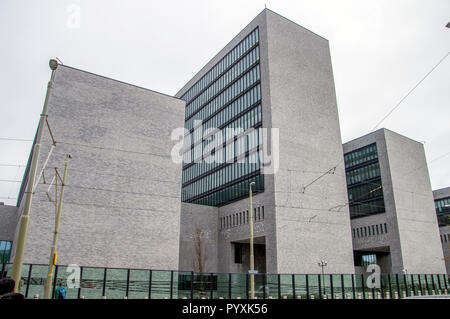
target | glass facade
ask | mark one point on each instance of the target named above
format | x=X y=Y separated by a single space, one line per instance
x=5 y=251
x=223 y=143
x=365 y=191
x=443 y=211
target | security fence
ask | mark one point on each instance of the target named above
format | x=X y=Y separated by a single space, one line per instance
x=115 y=283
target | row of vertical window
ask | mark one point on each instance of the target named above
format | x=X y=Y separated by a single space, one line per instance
x=232 y=74
x=365 y=191
x=442 y=205
x=236 y=191
x=368 y=208
x=363 y=173
x=237 y=52
x=228 y=154
x=223 y=176
x=241 y=218
x=238 y=106
x=372 y=230
x=361 y=155
x=239 y=86
x=445 y=238
x=245 y=122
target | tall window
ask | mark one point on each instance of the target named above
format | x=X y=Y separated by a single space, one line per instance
x=237 y=253
x=365 y=191
x=5 y=251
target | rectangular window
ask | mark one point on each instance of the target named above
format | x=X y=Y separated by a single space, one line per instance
x=237 y=253
x=5 y=251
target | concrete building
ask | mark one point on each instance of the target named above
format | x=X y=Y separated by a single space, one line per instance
x=122 y=189
x=273 y=74
x=442 y=205
x=8 y=222
x=391 y=204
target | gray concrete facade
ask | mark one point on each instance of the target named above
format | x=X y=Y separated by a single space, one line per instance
x=444 y=230
x=298 y=230
x=412 y=238
x=122 y=199
x=8 y=221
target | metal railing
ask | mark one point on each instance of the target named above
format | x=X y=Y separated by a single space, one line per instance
x=117 y=283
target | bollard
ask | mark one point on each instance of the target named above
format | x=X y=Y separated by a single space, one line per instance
x=220 y=297
x=388 y=295
x=433 y=292
x=184 y=297
x=324 y=297
x=165 y=298
x=419 y=293
x=284 y=297
x=203 y=297
x=337 y=296
x=299 y=297
x=396 y=295
x=411 y=293
x=270 y=297
x=359 y=295
x=145 y=297
x=311 y=297
x=379 y=295
x=369 y=295
x=238 y=298
x=404 y=294
x=125 y=297
x=347 y=296
x=439 y=291
x=426 y=292
x=103 y=297
x=82 y=297
x=36 y=296
x=446 y=291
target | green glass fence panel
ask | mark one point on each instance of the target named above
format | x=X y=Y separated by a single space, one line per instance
x=415 y=284
x=359 y=289
x=222 y=285
x=442 y=283
x=435 y=279
x=272 y=286
x=384 y=284
x=184 y=284
x=409 y=285
x=24 y=278
x=394 y=288
x=337 y=287
x=259 y=286
x=61 y=277
x=423 y=284
x=286 y=286
x=37 y=281
x=403 y=289
x=203 y=283
x=161 y=284
x=238 y=286
x=348 y=287
x=429 y=285
x=313 y=283
x=300 y=286
x=91 y=283
x=325 y=285
x=139 y=284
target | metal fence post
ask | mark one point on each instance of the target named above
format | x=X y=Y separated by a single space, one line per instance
x=342 y=286
x=229 y=286
x=211 y=295
x=320 y=286
x=128 y=282
x=420 y=284
x=307 y=287
x=390 y=287
x=406 y=284
x=362 y=285
x=28 y=281
x=104 y=282
x=264 y=285
x=413 y=284
x=150 y=285
x=293 y=286
x=54 y=281
x=81 y=278
x=353 y=286
x=171 y=284
x=279 y=286
x=331 y=286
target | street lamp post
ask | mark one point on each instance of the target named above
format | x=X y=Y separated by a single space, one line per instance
x=323 y=264
x=252 y=259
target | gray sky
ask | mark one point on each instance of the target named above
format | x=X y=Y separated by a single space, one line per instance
x=380 y=50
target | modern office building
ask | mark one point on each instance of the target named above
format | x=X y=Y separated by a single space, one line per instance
x=121 y=206
x=277 y=75
x=262 y=111
x=442 y=204
x=391 y=204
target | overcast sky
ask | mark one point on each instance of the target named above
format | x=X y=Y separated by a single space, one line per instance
x=379 y=50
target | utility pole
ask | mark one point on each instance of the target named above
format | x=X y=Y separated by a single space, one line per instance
x=29 y=191
x=252 y=258
x=53 y=254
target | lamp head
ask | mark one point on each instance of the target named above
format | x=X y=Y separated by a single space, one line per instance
x=53 y=64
